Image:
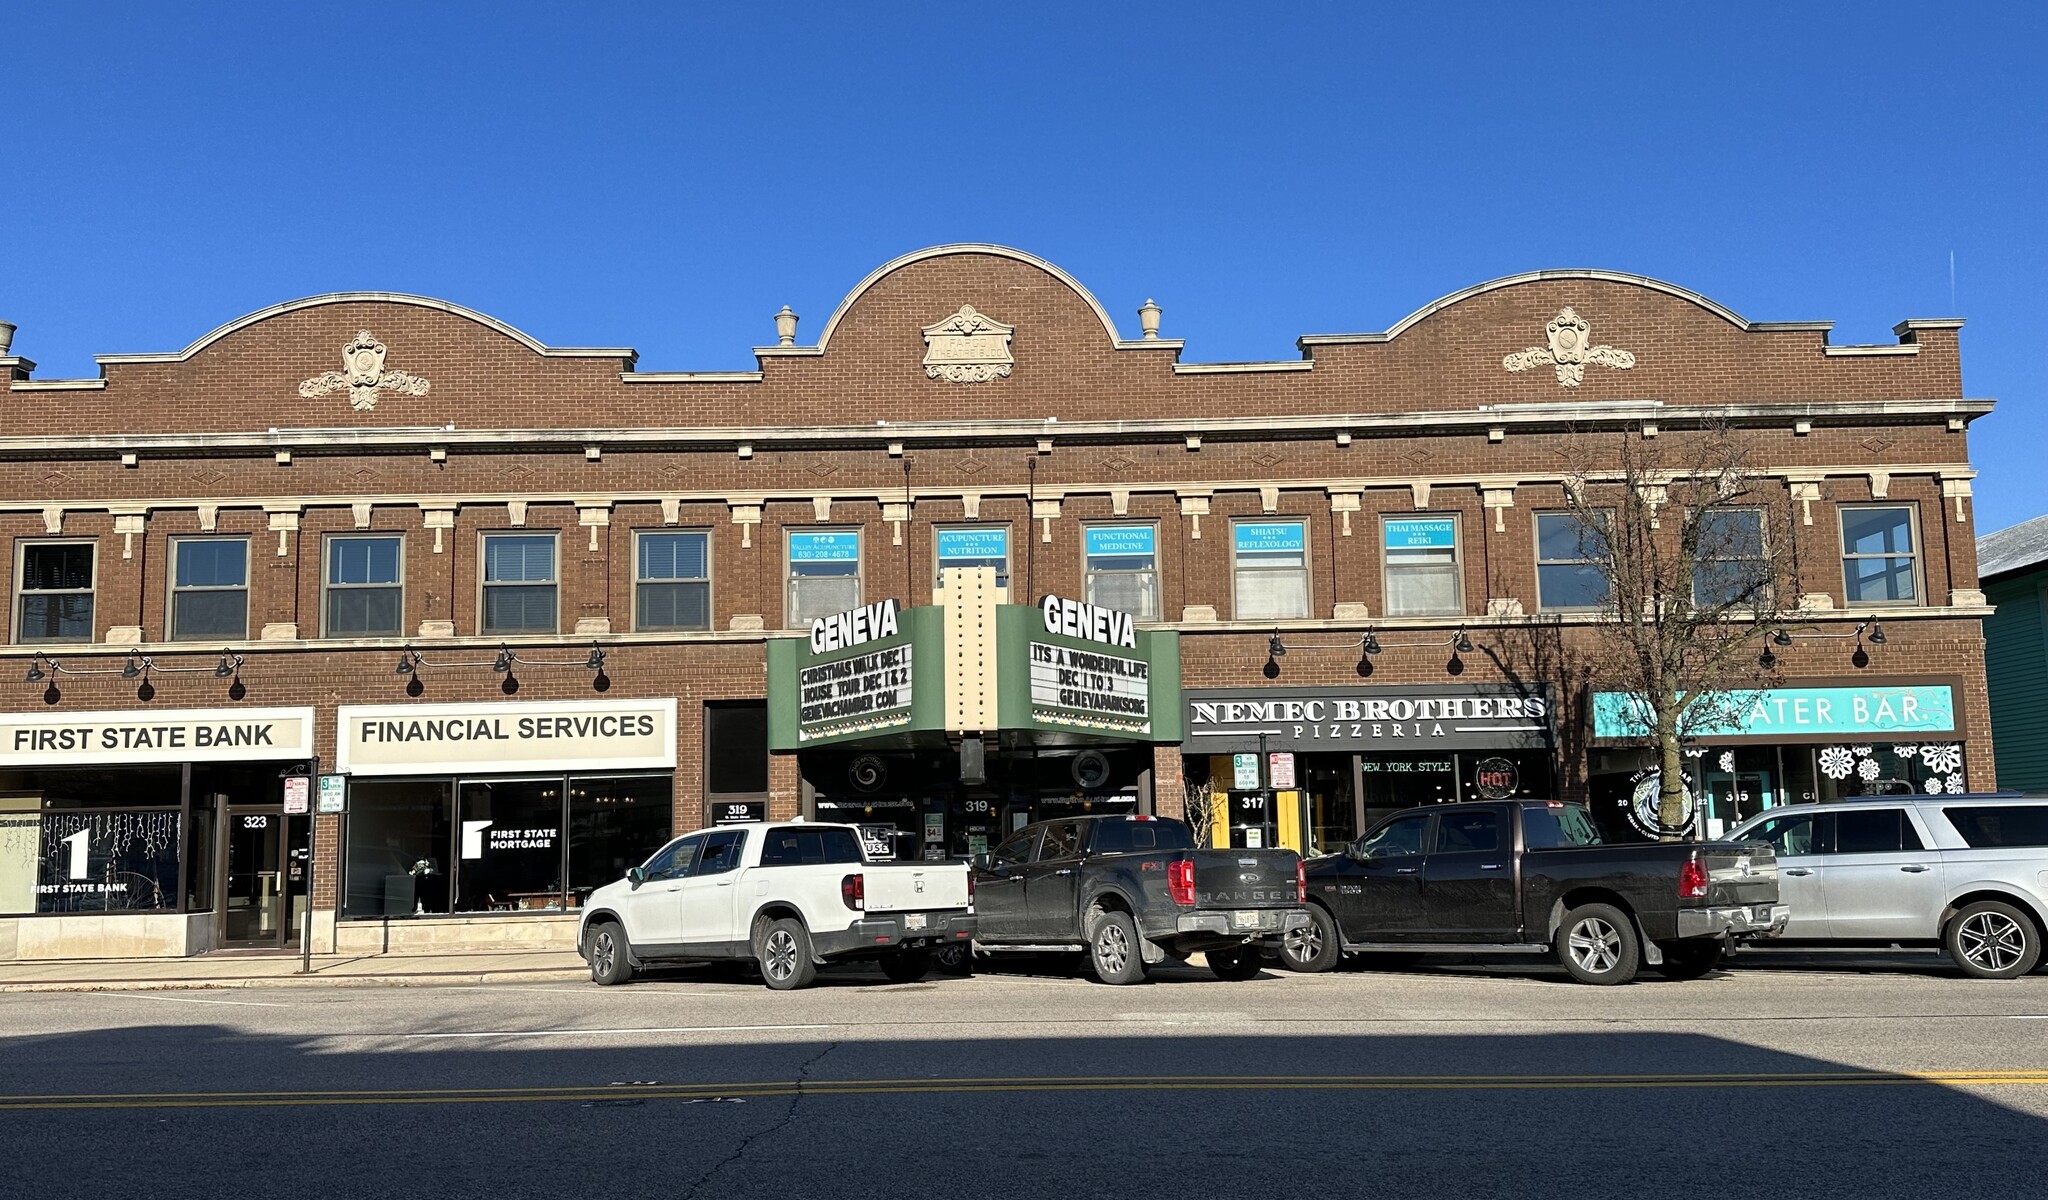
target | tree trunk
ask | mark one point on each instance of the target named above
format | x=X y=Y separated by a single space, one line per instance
x=1670 y=774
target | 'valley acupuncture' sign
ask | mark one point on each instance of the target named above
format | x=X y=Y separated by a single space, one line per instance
x=546 y=735
x=51 y=739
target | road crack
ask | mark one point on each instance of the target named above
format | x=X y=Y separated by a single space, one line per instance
x=803 y=1074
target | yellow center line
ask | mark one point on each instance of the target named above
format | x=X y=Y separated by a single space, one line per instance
x=863 y=1087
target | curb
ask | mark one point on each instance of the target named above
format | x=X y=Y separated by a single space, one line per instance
x=414 y=979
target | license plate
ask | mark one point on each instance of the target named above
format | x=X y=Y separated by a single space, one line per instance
x=1245 y=918
x=913 y=920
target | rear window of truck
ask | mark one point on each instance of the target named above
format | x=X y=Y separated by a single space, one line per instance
x=795 y=846
x=1133 y=837
x=1553 y=828
x=1992 y=825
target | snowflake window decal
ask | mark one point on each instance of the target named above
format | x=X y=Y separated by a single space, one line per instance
x=1835 y=762
x=1862 y=751
x=1934 y=785
x=1728 y=760
x=1942 y=760
x=1867 y=768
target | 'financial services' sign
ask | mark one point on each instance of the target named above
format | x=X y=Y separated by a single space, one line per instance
x=548 y=735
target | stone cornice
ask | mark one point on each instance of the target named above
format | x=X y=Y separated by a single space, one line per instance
x=1165 y=429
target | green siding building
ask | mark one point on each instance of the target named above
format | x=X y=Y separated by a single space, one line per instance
x=2013 y=567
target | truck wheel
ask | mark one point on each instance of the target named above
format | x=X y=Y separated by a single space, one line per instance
x=1113 y=949
x=954 y=958
x=907 y=966
x=1990 y=940
x=1597 y=944
x=783 y=949
x=1316 y=948
x=1692 y=958
x=611 y=961
x=1236 y=963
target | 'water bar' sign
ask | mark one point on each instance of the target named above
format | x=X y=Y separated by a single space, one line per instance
x=1914 y=710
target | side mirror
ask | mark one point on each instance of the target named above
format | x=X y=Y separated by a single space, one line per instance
x=982 y=861
x=637 y=875
x=1358 y=853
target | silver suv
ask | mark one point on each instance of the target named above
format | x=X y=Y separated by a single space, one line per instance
x=1969 y=872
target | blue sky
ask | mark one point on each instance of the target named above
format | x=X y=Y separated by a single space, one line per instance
x=621 y=175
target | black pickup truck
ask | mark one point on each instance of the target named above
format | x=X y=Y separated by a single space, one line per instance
x=1133 y=891
x=1530 y=877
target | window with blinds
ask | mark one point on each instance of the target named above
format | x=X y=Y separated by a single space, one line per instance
x=1422 y=569
x=1121 y=563
x=519 y=583
x=1270 y=569
x=672 y=581
x=53 y=592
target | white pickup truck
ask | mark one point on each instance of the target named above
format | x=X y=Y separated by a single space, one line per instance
x=788 y=896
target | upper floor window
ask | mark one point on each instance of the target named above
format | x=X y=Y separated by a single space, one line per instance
x=365 y=590
x=1121 y=563
x=1879 y=565
x=1729 y=566
x=976 y=546
x=672 y=587
x=1422 y=566
x=209 y=588
x=1270 y=569
x=824 y=574
x=519 y=583
x=53 y=591
x=1571 y=560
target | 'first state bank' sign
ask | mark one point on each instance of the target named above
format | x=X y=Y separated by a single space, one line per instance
x=171 y=735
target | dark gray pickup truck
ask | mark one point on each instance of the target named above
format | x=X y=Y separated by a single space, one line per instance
x=1133 y=891
x=1532 y=877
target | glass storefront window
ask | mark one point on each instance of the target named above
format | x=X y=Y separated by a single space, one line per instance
x=614 y=823
x=102 y=861
x=1332 y=811
x=509 y=855
x=398 y=833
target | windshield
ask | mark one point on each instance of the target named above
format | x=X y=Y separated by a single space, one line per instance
x=1558 y=825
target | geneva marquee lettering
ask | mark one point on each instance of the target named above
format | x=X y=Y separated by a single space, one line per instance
x=1089 y=622
x=1094 y=690
x=868 y=623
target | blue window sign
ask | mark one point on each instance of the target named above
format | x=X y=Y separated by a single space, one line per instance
x=824 y=547
x=1793 y=712
x=1270 y=537
x=1114 y=540
x=973 y=544
x=1422 y=533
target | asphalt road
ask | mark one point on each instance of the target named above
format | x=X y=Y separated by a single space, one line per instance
x=1887 y=1079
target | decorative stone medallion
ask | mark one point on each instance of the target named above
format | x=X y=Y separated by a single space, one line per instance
x=1569 y=351
x=967 y=347
x=363 y=375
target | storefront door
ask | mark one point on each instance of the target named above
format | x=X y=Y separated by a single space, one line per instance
x=1734 y=798
x=252 y=909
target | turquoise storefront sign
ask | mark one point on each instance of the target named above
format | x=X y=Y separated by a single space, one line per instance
x=1793 y=712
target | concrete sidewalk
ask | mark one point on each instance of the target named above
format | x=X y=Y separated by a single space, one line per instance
x=266 y=970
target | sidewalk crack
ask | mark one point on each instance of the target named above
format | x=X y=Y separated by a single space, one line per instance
x=788 y=1118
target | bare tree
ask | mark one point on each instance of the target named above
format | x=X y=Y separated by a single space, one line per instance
x=1200 y=811
x=1692 y=556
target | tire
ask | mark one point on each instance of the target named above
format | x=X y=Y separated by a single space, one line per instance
x=1992 y=940
x=954 y=958
x=907 y=966
x=1237 y=963
x=1114 y=949
x=1692 y=958
x=611 y=958
x=1597 y=943
x=1316 y=948
x=782 y=947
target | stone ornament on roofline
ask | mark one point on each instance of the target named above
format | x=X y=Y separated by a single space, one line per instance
x=967 y=347
x=1568 y=351
x=363 y=375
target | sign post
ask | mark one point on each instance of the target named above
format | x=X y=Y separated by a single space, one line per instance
x=298 y=790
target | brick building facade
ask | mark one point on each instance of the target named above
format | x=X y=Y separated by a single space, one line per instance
x=956 y=391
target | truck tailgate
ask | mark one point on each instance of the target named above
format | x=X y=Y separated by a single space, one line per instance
x=914 y=887
x=1740 y=873
x=1245 y=878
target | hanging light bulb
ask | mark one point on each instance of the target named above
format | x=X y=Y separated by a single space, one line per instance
x=132 y=667
x=503 y=665
x=596 y=660
x=1876 y=634
x=229 y=663
x=1372 y=642
x=1463 y=643
x=35 y=670
x=1767 y=660
x=1782 y=638
x=1274 y=647
x=408 y=662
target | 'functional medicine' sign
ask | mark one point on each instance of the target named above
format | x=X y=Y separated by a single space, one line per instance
x=49 y=739
x=548 y=735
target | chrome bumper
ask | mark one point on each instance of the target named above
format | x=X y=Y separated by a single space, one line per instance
x=1271 y=921
x=1747 y=921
